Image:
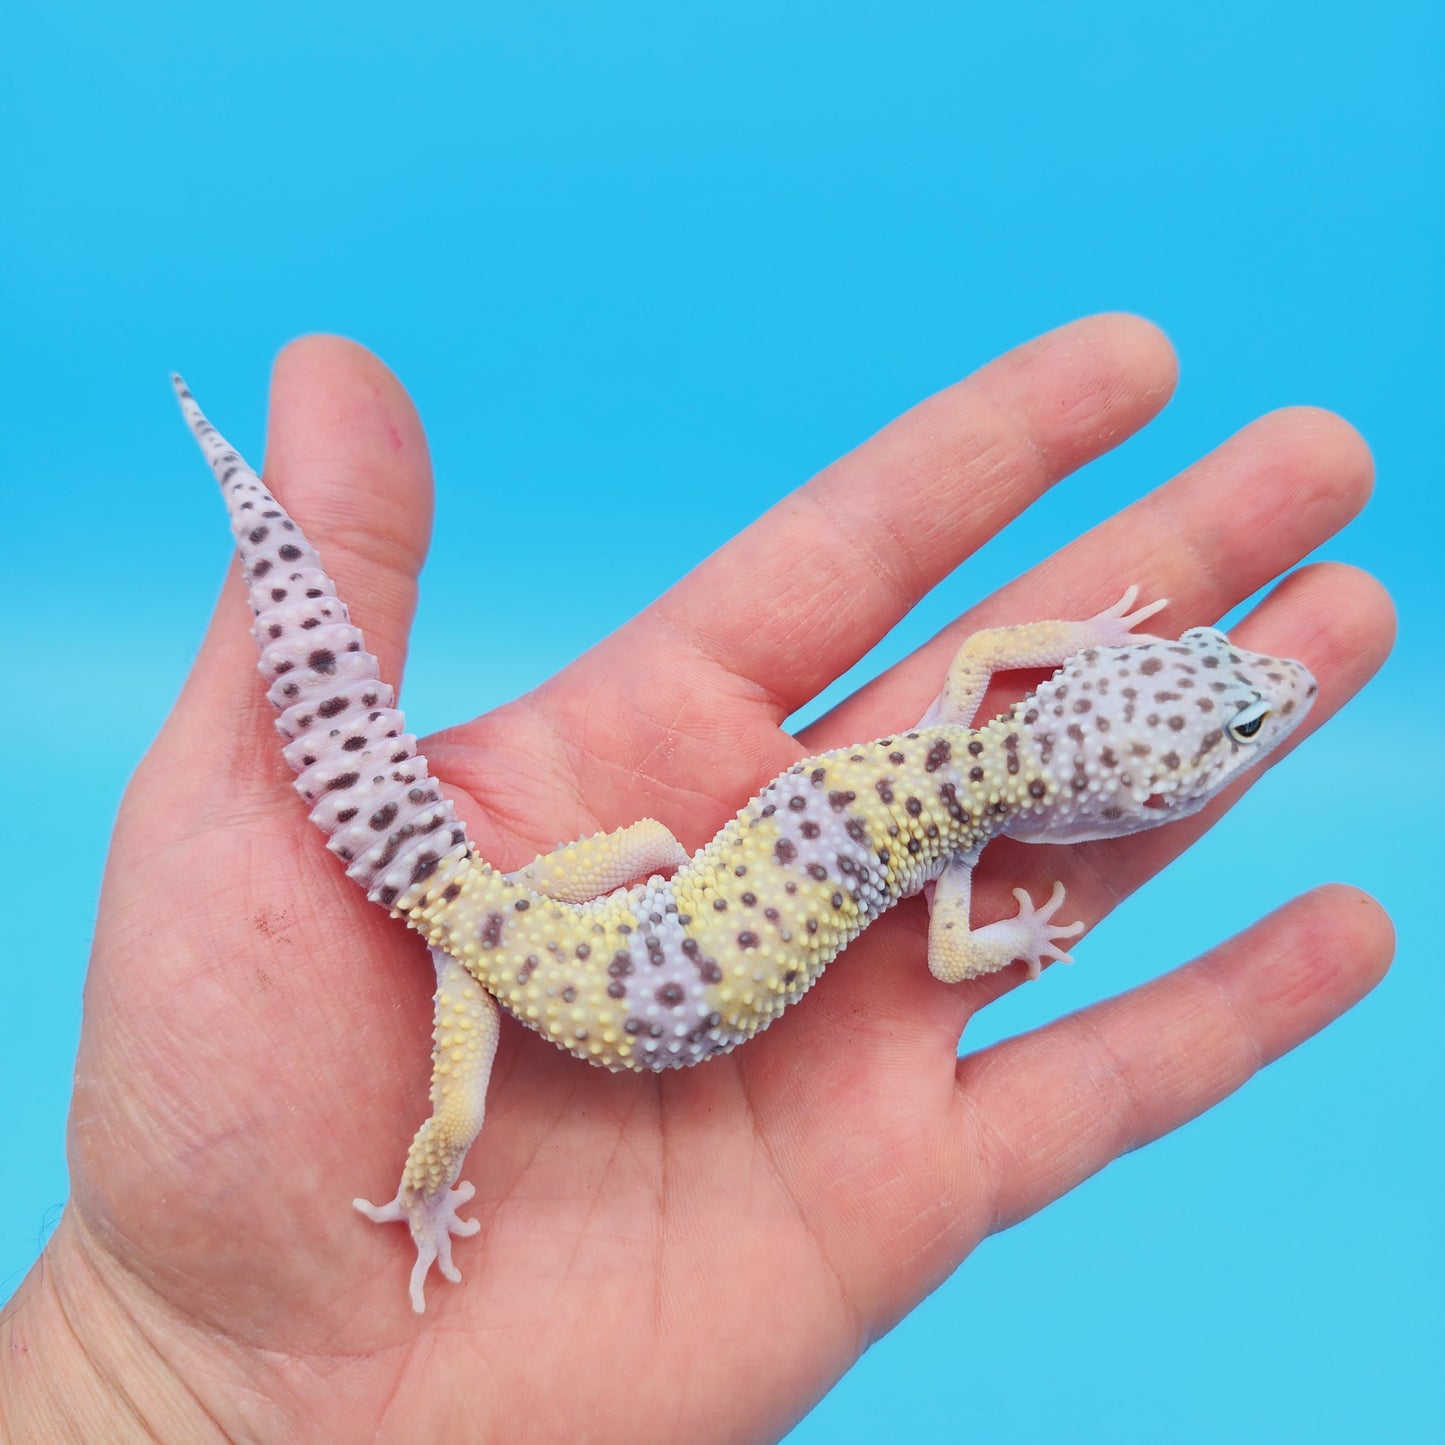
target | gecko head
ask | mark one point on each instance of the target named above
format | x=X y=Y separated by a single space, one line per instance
x=1129 y=737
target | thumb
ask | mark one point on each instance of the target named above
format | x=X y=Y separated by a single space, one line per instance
x=347 y=457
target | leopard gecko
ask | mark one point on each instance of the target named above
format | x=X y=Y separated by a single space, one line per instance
x=1132 y=730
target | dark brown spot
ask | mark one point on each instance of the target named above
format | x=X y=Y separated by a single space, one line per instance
x=938 y=755
x=322 y=660
x=785 y=850
x=747 y=939
x=1037 y=788
x=1151 y=665
x=895 y=757
x=342 y=781
x=810 y=830
x=670 y=995
x=288 y=551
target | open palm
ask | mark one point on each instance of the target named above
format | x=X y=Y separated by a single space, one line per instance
x=695 y=1255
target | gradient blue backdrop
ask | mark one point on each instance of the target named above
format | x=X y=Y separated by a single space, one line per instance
x=640 y=258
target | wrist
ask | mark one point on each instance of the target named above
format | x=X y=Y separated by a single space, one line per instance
x=75 y=1364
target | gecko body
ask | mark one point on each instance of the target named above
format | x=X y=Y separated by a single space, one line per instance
x=1130 y=731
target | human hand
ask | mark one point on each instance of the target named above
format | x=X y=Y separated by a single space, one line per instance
x=696 y=1254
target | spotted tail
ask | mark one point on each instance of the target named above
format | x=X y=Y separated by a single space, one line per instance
x=358 y=768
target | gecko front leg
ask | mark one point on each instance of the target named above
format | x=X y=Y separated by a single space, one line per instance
x=956 y=951
x=464 y=1043
x=1031 y=644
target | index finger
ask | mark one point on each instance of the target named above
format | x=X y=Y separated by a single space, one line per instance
x=803 y=593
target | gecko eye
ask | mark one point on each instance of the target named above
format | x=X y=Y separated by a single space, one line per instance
x=1248 y=721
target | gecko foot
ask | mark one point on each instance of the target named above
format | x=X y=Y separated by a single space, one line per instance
x=432 y=1223
x=1116 y=624
x=1034 y=936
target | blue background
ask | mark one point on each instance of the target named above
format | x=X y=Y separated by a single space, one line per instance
x=643 y=257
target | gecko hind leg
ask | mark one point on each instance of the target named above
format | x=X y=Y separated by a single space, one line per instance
x=956 y=951
x=593 y=866
x=464 y=1044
